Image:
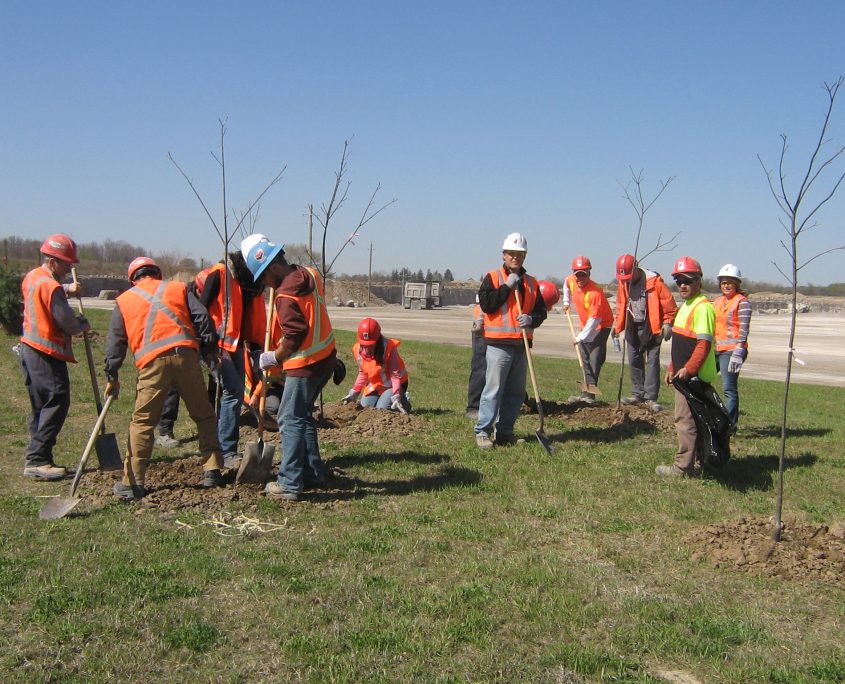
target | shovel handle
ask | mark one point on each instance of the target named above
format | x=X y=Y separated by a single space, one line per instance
x=268 y=333
x=82 y=461
x=89 y=355
x=530 y=361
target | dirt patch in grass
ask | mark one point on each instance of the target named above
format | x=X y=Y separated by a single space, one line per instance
x=174 y=483
x=807 y=551
x=626 y=420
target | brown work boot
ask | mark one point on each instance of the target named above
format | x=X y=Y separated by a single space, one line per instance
x=483 y=441
x=45 y=472
x=672 y=471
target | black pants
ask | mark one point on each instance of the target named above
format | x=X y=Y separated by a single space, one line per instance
x=48 y=385
x=169 y=413
x=477 y=371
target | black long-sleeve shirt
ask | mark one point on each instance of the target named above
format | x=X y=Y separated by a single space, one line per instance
x=491 y=299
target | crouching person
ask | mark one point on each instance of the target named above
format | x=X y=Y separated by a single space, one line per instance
x=165 y=327
x=381 y=370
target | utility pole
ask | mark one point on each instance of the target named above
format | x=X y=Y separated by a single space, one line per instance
x=370 y=274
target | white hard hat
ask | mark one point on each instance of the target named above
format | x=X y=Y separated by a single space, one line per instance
x=730 y=271
x=515 y=242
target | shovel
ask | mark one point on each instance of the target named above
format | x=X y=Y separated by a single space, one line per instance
x=592 y=389
x=59 y=506
x=108 y=453
x=541 y=436
x=258 y=456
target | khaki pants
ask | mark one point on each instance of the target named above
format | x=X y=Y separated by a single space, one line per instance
x=687 y=434
x=179 y=369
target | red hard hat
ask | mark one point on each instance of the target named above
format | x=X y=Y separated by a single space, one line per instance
x=687 y=265
x=581 y=263
x=368 y=332
x=549 y=293
x=140 y=262
x=61 y=247
x=625 y=266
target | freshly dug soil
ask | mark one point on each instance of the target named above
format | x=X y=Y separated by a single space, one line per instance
x=622 y=421
x=806 y=551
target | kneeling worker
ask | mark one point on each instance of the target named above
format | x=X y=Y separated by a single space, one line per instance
x=381 y=370
x=165 y=327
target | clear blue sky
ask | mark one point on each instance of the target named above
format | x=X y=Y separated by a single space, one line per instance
x=480 y=118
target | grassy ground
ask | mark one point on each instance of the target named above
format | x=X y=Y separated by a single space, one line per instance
x=455 y=565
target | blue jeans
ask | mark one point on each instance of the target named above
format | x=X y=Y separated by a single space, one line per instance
x=378 y=401
x=504 y=389
x=730 y=382
x=232 y=375
x=301 y=462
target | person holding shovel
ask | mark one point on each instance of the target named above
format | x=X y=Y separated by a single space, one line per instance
x=510 y=301
x=596 y=321
x=645 y=310
x=381 y=371
x=45 y=349
x=166 y=328
x=306 y=352
x=693 y=356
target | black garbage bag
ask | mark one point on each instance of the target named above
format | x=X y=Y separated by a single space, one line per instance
x=711 y=419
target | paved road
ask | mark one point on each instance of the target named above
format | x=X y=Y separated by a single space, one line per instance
x=820 y=338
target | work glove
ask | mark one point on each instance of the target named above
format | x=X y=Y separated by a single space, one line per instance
x=84 y=322
x=512 y=281
x=666 y=331
x=615 y=337
x=267 y=360
x=399 y=402
x=524 y=320
x=351 y=396
x=478 y=325
x=737 y=358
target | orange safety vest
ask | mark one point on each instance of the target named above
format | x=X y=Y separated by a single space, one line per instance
x=253 y=385
x=319 y=341
x=660 y=304
x=249 y=324
x=377 y=375
x=40 y=331
x=502 y=324
x=588 y=299
x=727 y=322
x=157 y=319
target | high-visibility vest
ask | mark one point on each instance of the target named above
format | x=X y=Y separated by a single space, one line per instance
x=40 y=331
x=157 y=319
x=685 y=328
x=502 y=325
x=253 y=384
x=727 y=322
x=586 y=298
x=660 y=303
x=249 y=325
x=319 y=340
x=378 y=377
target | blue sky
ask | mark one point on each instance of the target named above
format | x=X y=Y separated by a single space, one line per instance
x=480 y=118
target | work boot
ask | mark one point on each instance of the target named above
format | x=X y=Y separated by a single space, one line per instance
x=587 y=397
x=483 y=441
x=231 y=461
x=274 y=489
x=654 y=407
x=671 y=471
x=167 y=441
x=45 y=472
x=212 y=478
x=508 y=440
x=631 y=401
x=126 y=492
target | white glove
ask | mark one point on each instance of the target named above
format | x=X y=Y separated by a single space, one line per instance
x=737 y=357
x=666 y=331
x=267 y=360
x=396 y=402
x=512 y=281
x=478 y=325
x=351 y=396
x=524 y=320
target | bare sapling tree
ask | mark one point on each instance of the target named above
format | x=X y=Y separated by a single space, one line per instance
x=328 y=211
x=633 y=193
x=799 y=217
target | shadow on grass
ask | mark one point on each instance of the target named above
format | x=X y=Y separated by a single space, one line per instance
x=774 y=431
x=387 y=457
x=430 y=411
x=348 y=488
x=757 y=472
x=611 y=433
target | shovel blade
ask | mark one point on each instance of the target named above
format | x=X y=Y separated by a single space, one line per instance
x=544 y=442
x=592 y=389
x=58 y=507
x=256 y=463
x=108 y=453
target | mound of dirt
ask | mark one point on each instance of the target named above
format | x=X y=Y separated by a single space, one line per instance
x=626 y=420
x=805 y=551
x=174 y=484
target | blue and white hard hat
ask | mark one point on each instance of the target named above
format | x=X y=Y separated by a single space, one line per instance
x=259 y=252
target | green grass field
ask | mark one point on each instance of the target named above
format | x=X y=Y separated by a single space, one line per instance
x=455 y=566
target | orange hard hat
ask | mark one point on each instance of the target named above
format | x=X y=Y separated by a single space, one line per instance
x=581 y=263
x=687 y=265
x=625 y=266
x=138 y=263
x=61 y=247
x=549 y=293
x=368 y=332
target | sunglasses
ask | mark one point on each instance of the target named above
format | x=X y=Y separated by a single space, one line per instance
x=684 y=280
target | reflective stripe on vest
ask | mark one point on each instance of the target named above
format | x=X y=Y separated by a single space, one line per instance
x=727 y=322
x=319 y=342
x=377 y=375
x=688 y=328
x=231 y=336
x=39 y=329
x=147 y=348
x=502 y=324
